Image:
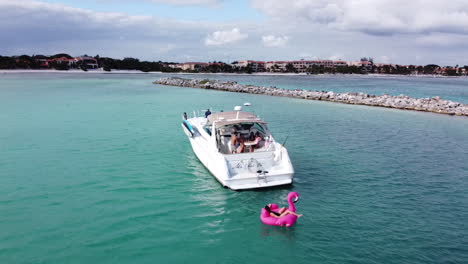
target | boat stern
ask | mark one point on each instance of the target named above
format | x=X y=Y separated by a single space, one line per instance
x=259 y=170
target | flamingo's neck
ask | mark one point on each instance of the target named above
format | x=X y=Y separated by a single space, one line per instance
x=291 y=208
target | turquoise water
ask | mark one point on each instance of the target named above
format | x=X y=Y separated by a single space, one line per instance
x=96 y=169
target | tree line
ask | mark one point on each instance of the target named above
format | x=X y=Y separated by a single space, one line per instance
x=430 y=69
x=108 y=64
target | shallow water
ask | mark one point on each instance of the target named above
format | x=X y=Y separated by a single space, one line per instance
x=96 y=168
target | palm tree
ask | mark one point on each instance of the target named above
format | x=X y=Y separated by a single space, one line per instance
x=290 y=67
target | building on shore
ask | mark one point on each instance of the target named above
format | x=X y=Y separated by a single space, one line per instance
x=255 y=66
x=364 y=65
x=63 y=61
x=83 y=61
x=300 y=66
x=192 y=66
x=43 y=63
x=87 y=62
x=276 y=66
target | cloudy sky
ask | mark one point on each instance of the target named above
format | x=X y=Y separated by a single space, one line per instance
x=396 y=31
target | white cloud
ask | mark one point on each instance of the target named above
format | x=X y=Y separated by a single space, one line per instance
x=46 y=28
x=442 y=40
x=218 y=38
x=212 y=3
x=273 y=41
x=375 y=17
x=52 y=28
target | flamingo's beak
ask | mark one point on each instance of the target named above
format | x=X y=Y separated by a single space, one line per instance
x=296 y=199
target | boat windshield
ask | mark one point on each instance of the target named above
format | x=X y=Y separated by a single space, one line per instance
x=207 y=128
x=242 y=137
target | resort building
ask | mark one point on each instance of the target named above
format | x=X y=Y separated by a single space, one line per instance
x=192 y=66
x=340 y=63
x=173 y=65
x=363 y=64
x=302 y=65
x=43 y=63
x=299 y=66
x=63 y=60
x=276 y=66
x=87 y=61
x=256 y=66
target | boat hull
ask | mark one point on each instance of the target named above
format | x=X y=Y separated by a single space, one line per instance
x=221 y=170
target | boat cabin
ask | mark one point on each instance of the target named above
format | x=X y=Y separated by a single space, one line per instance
x=238 y=132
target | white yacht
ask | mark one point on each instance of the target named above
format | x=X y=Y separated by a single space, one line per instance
x=247 y=164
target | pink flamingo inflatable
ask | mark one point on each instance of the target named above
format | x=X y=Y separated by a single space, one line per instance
x=287 y=220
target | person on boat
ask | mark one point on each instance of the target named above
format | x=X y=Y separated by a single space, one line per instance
x=254 y=141
x=234 y=140
x=251 y=136
x=258 y=140
x=207 y=113
x=237 y=142
x=240 y=148
x=185 y=115
x=281 y=212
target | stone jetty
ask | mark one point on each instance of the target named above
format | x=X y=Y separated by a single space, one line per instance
x=434 y=104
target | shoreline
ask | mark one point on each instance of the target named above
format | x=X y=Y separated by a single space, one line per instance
x=100 y=71
x=402 y=102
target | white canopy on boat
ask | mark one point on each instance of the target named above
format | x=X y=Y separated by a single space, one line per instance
x=233 y=117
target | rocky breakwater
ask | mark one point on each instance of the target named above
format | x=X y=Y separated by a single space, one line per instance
x=435 y=104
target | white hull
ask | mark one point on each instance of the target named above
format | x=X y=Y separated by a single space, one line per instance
x=240 y=171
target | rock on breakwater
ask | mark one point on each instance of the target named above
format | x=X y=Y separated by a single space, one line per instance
x=435 y=104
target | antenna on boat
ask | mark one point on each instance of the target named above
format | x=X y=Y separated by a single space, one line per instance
x=284 y=143
x=237 y=108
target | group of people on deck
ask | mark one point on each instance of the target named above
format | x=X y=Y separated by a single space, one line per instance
x=240 y=144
